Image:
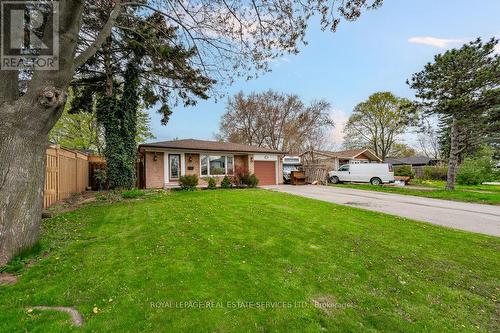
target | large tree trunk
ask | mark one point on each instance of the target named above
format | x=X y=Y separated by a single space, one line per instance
x=26 y=122
x=21 y=190
x=23 y=141
x=454 y=154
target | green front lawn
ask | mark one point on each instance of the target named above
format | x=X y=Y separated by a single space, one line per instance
x=181 y=261
x=484 y=194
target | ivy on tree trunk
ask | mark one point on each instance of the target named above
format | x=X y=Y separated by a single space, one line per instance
x=118 y=115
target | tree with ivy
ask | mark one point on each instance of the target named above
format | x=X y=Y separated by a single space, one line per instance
x=120 y=129
x=462 y=87
x=138 y=65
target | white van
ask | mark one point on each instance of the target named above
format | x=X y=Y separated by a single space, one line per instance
x=373 y=173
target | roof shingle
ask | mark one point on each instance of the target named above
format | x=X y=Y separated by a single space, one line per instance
x=412 y=160
x=193 y=144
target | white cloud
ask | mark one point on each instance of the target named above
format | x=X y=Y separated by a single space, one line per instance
x=340 y=118
x=497 y=48
x=433 y=41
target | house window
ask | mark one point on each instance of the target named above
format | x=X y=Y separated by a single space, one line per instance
x=204 y=165
x=216 y=165
x=230 y=165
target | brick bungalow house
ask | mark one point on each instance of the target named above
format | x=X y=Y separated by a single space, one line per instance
x=164 y=162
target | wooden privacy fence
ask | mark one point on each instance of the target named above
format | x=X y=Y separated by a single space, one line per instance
x=419 y=171
x=316 y=173
x=66 y=173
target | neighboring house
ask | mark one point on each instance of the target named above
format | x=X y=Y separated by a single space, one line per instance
x=334 y=159
x=414 y=161
x=165 y=162
x=417 y=163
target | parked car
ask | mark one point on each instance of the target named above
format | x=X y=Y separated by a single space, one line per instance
x=373 y=173
x=290 y=163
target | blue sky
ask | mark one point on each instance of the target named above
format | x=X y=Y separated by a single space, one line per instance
x=378 y=52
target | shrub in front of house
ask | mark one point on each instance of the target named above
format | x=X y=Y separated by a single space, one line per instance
x=253 y=181
x=132 y=194
x=244 y=179
x=188 y=182
x=404 y=171
x=211 y=183
x=226 y=182
x=249 y=180
x=435 y=172
x=474 y=171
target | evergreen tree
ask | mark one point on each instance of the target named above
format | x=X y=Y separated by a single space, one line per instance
x=462 y=87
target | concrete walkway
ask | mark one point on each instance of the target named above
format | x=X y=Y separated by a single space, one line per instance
x=479 y=218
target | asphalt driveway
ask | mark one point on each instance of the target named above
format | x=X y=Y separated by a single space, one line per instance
x=459 y=215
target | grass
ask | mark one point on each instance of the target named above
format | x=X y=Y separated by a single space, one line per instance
x=141 y=262
x=484 y=194
x=133 y=194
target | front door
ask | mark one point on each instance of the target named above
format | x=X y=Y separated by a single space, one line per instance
x=175 y=166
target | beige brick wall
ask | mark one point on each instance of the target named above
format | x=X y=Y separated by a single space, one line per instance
x=250 y=164
x=195 y=164
x=280 y=169
x=154 y=170
x=241 y=163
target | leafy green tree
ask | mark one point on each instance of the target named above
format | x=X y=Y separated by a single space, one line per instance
x=82 y=130
x=477 y=168
x=462 y=87
x=78 y=131
x=378 y=123
x=143 y=130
